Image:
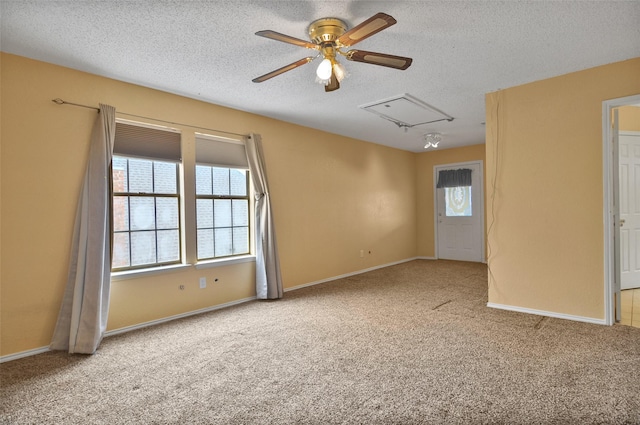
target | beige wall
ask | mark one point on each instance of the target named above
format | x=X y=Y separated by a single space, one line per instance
x=424 y=197
x=546 y=243
x=629 y=118
x=332 y=197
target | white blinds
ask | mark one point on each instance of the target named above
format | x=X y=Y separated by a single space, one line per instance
x=146 y=142
x=222 y=153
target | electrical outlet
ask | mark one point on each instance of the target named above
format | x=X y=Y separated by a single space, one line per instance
x=361 y=253
x=203 y=282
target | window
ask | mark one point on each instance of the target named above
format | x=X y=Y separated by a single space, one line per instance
x=146 y=198
x=152 y=198
x=457 y=201
x=222 y=211
x=222 y=198
x=146 y=213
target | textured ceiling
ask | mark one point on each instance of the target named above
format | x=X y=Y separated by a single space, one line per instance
x=207 y=50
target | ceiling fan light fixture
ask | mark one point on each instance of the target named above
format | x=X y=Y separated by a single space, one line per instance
x=339 y=71
x=324 y=70
x=329 y=35
x=432 y=140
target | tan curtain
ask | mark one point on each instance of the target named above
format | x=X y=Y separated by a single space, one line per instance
x=82 y=320
x=268 y=278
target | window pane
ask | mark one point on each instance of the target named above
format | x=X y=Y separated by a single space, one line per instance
x=240 y=212
x=143 y=248
x=240 y=240
x=238 y=182
x=165 y=177
x=140 y=176
x=120 y=213
x=220 y=181
x=119 y=171
x=142 y=213
x=205 y=243
x=458 y=201
x=223 y=242
x=203 y=180
x=120 y=250
x=222 y=213
x=168 y=246
x=167 y=213
x=204 y=213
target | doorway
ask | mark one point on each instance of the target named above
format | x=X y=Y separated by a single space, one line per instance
x=459 y=211
x=620 y=242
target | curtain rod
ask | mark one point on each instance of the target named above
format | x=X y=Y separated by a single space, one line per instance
x=64 y=102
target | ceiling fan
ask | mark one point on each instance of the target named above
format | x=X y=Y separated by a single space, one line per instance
x=329 y=36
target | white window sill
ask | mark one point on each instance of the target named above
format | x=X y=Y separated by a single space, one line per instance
x=133 y=274
x=225 y=262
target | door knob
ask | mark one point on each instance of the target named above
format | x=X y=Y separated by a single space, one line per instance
x=621 y=222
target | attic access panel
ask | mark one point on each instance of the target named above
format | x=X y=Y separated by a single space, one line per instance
x=406 y=111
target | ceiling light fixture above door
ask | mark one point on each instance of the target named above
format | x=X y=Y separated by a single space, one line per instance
x=329 y=36
x=432 y=140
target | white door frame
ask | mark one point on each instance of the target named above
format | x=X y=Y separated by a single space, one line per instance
x=611 y=266
x=480 y=164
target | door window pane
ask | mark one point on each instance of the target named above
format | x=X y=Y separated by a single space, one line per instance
x=458 y=201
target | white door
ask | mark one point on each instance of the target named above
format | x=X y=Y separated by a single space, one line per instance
x=629 y=186
x=460 y=216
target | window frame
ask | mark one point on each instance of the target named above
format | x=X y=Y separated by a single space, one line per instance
x=128 y=195
x=213 y=197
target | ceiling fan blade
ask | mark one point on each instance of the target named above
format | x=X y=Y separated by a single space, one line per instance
x=282 y=70
x=371 y=26
x=287 y=39
x=382 y=59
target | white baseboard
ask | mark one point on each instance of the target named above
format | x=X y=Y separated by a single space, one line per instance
x=177 y=316
x=41 y=350
x=547 y=313
x=342 y=276
x=22 y=354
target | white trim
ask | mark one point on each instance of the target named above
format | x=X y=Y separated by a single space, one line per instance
x=41 y=350
x=225 y=262
x=177 y=316
x=607 y=215
x=221 y=262
x=548 y=314
x=23 y=354
x=133 y=274
x=480 y=163
x=342 y=276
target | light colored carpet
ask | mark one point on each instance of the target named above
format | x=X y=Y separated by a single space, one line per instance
x=408 y=344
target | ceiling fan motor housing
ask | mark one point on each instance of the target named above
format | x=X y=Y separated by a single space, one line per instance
x=326 y=30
